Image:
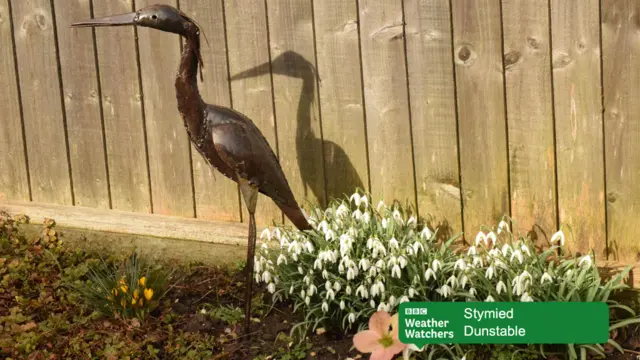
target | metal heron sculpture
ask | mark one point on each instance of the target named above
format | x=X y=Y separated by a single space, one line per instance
x=229 y=141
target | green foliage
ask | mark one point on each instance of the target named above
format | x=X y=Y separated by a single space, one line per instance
x=360 y=258
x=127 y=290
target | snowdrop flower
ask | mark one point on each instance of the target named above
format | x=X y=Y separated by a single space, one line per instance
x=374 y=290
x=411 y=222
x=342 y=305
x=526 y=298
x=330 y=295
x=324 y=226
x=525 y=249
x=364 y=264
x=503 y=226
x=392 y=300
x=472 y=291
x=327 y=285
x=412 y=292
x=501 y=287
x=494 y=252
x=370 y=243
x=471 y=251
x=428 y=274
x=417 y=245
x=567 y=274
x=364 y=200
x=463 y=281
x=489 y=299
x=481 y=237
x=380 y=205
x=403 y=299
x=452 y=280
x=355 y=198
x=357 y=214
x=342 y=210
x=383 y=307
x=325 y=274
x=265 y=234
x=366 y=217
x=351 y=274
x=329 y=235
x=517 y=254
x=291 y=290
x=409 y=250
x=477 y=261
x=490 y=236
x=395 y=272
x=307 y=300
x=352 y=318
x=372 y=303
x=546 y=277
x=282 y=259
x=312 y=290
x=347 y=290
x=362 y=291
x=271 y=288
x=266 y=276
x=445 y=291
x=460 y=264
x=558 y=236
x=337 y=286
x=373 y=271
x=385 y=223
x=316 y=264
x=258 y=278
x=380 y=264
x=398 y=217
x=500 y=264
x=489 y=273
x=257 y=265
x=586 y=260
x=505 y=250
x=435 y=265
x=426 y=233
x=303 y=293
x=402 y=261
x=393 y=243
x=325 y=306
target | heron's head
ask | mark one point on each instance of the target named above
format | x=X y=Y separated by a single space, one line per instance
x=161 y=17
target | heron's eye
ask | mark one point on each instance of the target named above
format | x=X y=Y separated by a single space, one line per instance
x=154 y=17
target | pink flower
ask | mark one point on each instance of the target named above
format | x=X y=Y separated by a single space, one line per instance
x=381 y=340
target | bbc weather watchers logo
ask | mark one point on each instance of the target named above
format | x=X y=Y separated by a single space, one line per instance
x=415 y=311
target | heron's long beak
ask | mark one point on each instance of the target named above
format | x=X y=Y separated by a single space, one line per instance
x=256 y=71
x=115 y=20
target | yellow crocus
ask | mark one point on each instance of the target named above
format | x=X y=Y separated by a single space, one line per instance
x=136 y=294
x=140 y=302
x=148 y=294
x=142 y=281
x=133 y=302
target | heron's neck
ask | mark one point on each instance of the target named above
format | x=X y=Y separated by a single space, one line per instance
x=190 y=103
x=304 y=107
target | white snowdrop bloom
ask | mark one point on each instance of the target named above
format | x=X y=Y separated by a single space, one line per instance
x=393 y=243
x=341 y=268
x=258 y=278
x=409 y=250
x=352 y=318
x=385 y=223
x=452 y=280
x=525 y=276
x=490 y=236
x=351 y=274
x=585 y=260
x=500 y=264
x=325 y=274
x=412 y=222
x=503 y=226
x=477 y=261
x=546 y=277
x=291 y=289
x=324 y=226
x=312 y=290
x=307 y=300
x=380 y=287
x=265 y=234
x=463 y=281
x=362 y=291
x=489 y=273
x=357 y=214
x=396 y=272
x=558 y=236
x=517 y=286
x=370 y=243
x=373 y=272
x=392 y=261
x=380 y=205
x=567 y=274
x=402 y=261
x=317 y=264
x=383 y=307
x=489 y=299
x=494 y=252
x=276 y=280
x=366 y=217
x=355 y=198
x=276 y=233
x=418 y=245
x=329 y=235
x=372 y=303
x=364 y=200
x=266 y=276
x=325 y=306
x=398 y=217
x=303 y=293
x=481 y=237
x=518 y=255
x=380 y=264
x=501 y=287
x=342 y=305
x=429 y=273
x=471 y=251
x=412 y=292
x=505 y=250
x=460 y=264
x=347 y=290
x=257 y=265
x=445 y=291
x=526 y=298
x=330 y=295
x=403 y=299
x=392 y=300
x=306 y=279
x=327 y=285
x=472 y=291
x=282 y=259
x=342 y=210
x=337 y=286
x=374 y=290
x=525 y=249
x=264 y=246
x=436 y=264
x=426 y=233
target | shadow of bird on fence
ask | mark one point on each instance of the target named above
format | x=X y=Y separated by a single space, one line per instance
x=341 y=175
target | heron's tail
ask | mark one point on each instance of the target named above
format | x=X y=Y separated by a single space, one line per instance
x=294 y=213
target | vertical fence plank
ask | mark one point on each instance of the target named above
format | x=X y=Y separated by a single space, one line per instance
x=14 y=183
x=481 y=118
x=296 y=99
x=122 y=111
x=42 y=108
x=167 y=141
x=621 y=50
x=578 y=110
x=433 y=112
x=343 y=123
x=530 y=115
x=82 y=105
x=216 y=196
x=386 y=100
x=247 y=25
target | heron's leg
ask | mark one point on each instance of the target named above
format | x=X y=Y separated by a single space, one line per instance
x=250 y=195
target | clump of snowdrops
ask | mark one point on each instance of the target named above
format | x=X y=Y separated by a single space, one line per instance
x=362 y=257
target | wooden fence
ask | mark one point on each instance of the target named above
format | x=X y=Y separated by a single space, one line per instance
x=469 y=109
